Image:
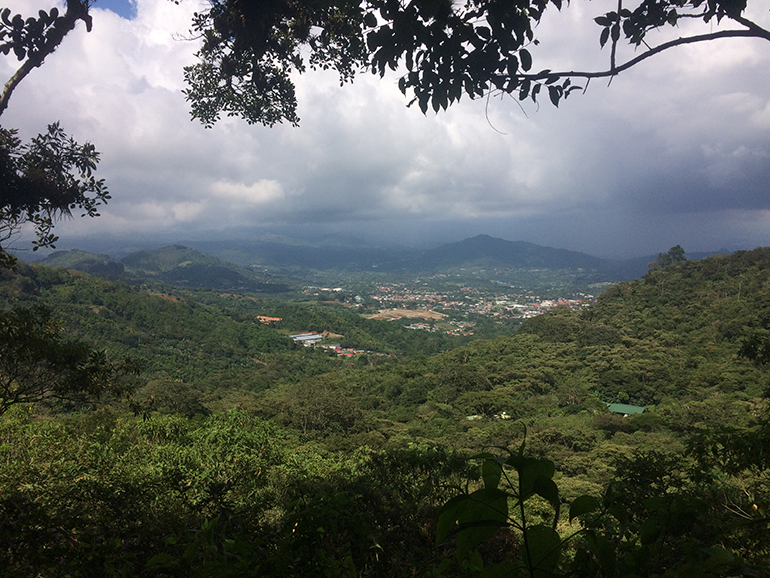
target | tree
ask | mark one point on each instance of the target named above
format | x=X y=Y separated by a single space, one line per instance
x=39 y=182
x=52 y=175
x=43 y=180
x=37 y=363
x=675 y=255
x=477 y=47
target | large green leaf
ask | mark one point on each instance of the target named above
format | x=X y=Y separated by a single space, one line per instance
x=544 y=549
x=481 y=516
x=605 y=553
x=448 y=516
x=529 y=469
x=491 y=471
x=503 y=570
x=583 y=505
x=546 y=488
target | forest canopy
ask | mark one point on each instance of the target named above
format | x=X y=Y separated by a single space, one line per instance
x=246 y=455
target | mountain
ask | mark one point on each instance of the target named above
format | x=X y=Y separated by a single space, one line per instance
x=165 y=259
x=180 y=265
x=287 y=255
x=484 y=249
x=99 y=265
x=233 y=264
x=175 y=265
x=348 y=255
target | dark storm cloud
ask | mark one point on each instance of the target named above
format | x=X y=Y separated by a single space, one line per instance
x=676 y=149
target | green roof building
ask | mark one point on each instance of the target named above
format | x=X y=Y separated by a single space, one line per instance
x=625 y=409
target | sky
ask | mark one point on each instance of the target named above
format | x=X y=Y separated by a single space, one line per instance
x=675 y=151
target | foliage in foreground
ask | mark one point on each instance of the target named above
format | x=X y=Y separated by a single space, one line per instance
x=106 y=494
x=654 y=519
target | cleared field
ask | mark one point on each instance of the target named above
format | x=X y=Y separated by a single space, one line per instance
x=387 y=314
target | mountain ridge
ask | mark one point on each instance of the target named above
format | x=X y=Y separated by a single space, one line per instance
x=233 y=264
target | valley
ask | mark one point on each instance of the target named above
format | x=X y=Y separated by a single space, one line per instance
x=234 y=450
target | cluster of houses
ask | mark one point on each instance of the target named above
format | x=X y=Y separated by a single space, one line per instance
x=460 y=329
x=307 y=339
x=312 y=339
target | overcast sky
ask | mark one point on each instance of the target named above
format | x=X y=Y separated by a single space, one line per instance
x=675 y=151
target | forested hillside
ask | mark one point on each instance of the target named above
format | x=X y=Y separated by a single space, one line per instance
x=175 y=265
x=243 y=454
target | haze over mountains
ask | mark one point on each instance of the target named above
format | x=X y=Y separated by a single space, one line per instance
x=252 y=266
x=175 y=265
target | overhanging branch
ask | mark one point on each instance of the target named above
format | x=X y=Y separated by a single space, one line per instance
x=753 y=32
x=76 y=10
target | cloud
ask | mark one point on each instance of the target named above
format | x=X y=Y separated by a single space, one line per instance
x=256 y=194
x=676 y=148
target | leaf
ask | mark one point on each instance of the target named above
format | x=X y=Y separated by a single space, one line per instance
x=491 y=472
x=475 y=562
x=619 y=512
x=370 y=19
x=423 y=102
x=480 y=517
x=605 y=553
x=554 y=93
x=529 y=469
x=720 y=560
x=502 y=570
x=484 y=456
x=546 y=488
x=536 y=91
x=609 y=496
x=486 y=505
x=526 y=59
x=524 y=89
x=473 y=534
x=512 y=66
x=163 y=560
x=583 y=505
x=436 y=101
x=650 y=531
x=544 y=549
x=448 y=515
x=605 y=35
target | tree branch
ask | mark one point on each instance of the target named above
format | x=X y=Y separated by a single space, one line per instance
x=614 y=38
x=76 y=10
x=14 y=81
x=754 y=32
x=760 y=32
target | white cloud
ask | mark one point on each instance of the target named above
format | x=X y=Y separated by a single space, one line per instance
x=258 y=193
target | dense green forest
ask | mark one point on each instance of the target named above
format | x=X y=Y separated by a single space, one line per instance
x=236 y=452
